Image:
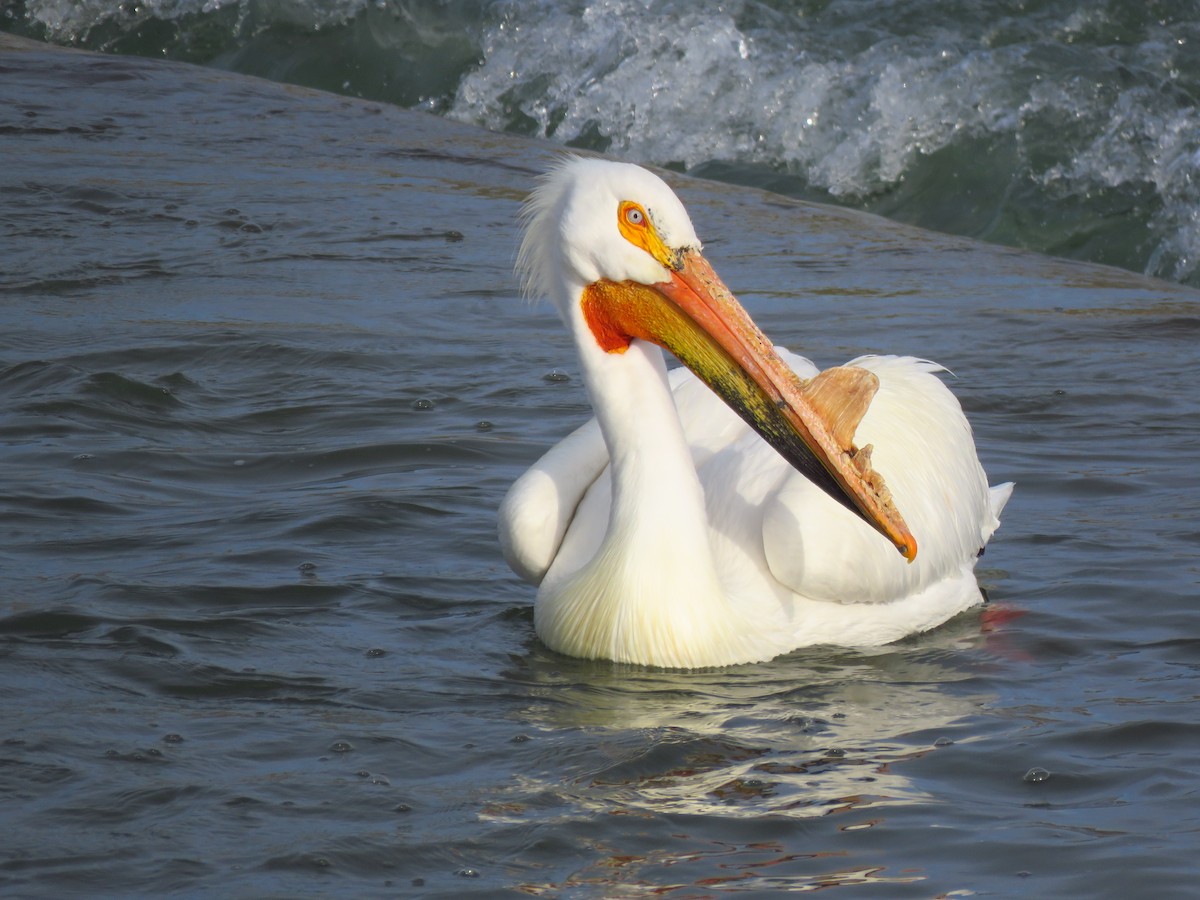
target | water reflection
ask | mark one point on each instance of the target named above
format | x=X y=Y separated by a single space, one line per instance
x=811 y=734
x=821 y=733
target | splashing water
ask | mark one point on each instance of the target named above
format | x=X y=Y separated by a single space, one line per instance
x=1072 y=130
x=1060 y=129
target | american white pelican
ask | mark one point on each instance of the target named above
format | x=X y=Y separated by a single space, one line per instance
x=670 y=530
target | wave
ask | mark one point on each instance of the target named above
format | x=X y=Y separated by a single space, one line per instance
x=1072 y=130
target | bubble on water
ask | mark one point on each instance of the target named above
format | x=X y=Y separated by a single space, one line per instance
x=363 y=773
x=556 y=376
x=341 y=747
x=1036 y=775
x=381 y=780
x=138 y=756
x=860 y=826
x=483 y=425
x=467 y=873
x=375 y=653
x=81 y=457
x=520 y=738
x=307 y=568
x=943 y=742
x=172 y=738
x=401 y=808
x=423 y=403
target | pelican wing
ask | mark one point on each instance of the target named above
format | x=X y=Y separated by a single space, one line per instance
x=541 y=504
x=922 y=444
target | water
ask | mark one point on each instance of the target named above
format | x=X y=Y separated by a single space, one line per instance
x=1048 y=124
x=264 y=378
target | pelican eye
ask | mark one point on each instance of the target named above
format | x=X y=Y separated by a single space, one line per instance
x=633 y=220
x=636 y=227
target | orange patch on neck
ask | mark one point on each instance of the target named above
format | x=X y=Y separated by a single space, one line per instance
x=602 y=302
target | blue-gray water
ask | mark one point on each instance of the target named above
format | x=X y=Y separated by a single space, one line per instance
x=264 y=378
x=1066 y=127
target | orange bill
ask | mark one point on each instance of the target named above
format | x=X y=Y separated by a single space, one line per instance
x=811 y=423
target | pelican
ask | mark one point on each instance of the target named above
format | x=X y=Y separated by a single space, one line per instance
x=748 y=504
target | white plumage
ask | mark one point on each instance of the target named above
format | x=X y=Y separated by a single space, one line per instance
x=666 y=531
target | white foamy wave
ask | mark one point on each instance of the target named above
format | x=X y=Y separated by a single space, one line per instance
x=72 y=21
x=682 y=84
x=1152 y=155
x=1070 y=128
x=854 y=110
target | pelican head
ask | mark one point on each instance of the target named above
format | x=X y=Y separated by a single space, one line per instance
x=612 y=245
x=583 y=226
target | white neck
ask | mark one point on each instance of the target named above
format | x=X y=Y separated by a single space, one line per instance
x=651 y=593
x=653 y=476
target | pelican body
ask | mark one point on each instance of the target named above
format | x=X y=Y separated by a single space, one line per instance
x=745 y=505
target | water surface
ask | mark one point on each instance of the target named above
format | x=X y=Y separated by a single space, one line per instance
x=264 y=378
